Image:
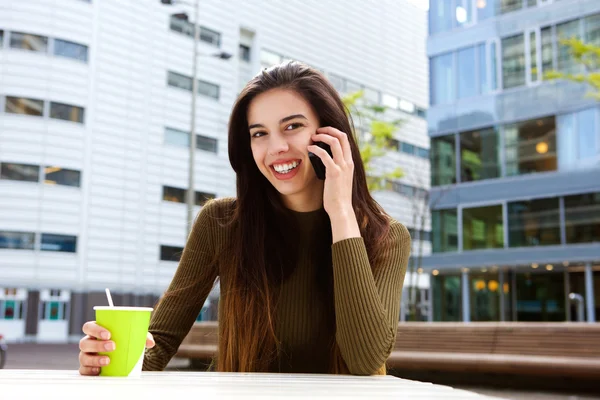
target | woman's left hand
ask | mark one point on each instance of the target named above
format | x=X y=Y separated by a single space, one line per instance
x=337 y=195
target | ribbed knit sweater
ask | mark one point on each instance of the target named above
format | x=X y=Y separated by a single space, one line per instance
x=366 y=304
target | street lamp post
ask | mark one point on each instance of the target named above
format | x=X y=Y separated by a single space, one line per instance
x=190 y=198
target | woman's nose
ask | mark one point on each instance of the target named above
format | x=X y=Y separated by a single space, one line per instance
x=278 y=145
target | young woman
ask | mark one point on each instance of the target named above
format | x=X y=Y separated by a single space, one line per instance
x=311 y=271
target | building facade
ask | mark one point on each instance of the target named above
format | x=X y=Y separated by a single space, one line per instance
x=515 y=162
x=95 y=100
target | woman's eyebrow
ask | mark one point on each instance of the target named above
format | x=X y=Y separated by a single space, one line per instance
x=290 y=117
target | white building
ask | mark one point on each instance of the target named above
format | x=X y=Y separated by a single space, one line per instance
x=94 y=115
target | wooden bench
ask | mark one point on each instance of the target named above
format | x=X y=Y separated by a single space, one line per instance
x=520 y=348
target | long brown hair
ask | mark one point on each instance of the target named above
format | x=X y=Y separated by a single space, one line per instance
x=258 y=258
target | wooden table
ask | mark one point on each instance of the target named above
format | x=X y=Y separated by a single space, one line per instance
x=175 y=385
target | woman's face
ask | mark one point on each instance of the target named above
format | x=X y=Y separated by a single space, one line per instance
x=281 y=124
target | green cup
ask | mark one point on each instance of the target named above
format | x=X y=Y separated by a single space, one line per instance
x=128 y=327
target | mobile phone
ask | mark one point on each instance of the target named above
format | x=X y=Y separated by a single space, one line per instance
x=316 y=162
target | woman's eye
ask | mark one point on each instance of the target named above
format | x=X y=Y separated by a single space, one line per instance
x=293 y=126
x=258 y=134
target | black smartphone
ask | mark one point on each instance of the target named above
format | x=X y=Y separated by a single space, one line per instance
x=316 y=162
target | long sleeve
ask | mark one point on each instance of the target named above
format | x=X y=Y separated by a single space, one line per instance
x=179 y=306
x=366 y=303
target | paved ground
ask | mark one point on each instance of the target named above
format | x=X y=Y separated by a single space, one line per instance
x=44 y=356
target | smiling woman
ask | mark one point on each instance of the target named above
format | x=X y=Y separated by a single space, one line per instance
x=311 y=270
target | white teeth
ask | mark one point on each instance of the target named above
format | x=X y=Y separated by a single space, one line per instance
x=285 y=168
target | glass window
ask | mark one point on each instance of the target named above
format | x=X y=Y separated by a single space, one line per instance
x=442 y=79
x=547 y=50
x=1 y=38
x=26 y=41
x=408 y=148
x=244 y=52
x=533 y=223
x=423 y=153
x=20 y=172
x=394 y=144
x=530 y=146
x=591 y=33
x=479 y=155
x=406 y=106
x=206 y=143
x=463 y=13
x=203 y=197
x=445 y=230
x=170 y=253
x=578 y=141
x=66 y=112
x=19 y=105
x=389 y=101
x=484 y=296
x=443 y=160
x=173 y=194
x=62 y=243
x=540 y=296
x=353 y=87
x=493 y=66
x=513 y=61
x=337 y=82
x=68 y=49
x=179 y=81
x=371 y=95
x=54 y=310
x=483 y=228
x=17 y=240
x=181 y=24
x=421 y=113
x=62 y=176
x=269 y=58
x=507 y=6
x=447 y=298
x=466 y=72
x=209 y=36
x=208 y=89
x=177 y=137
x=486 y=9
x=582 y=218
x=533 y=67
x=483 y=86
x=565 y=61
x=440 y=16
x=11 y=309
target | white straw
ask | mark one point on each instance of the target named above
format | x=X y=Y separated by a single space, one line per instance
x=110 y=302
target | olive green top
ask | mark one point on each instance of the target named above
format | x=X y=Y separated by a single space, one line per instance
x=367 y=304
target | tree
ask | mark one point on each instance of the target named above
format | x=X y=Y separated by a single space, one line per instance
x=377 y=142
x=587 y=56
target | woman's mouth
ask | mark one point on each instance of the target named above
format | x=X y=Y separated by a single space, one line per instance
x=287 y=170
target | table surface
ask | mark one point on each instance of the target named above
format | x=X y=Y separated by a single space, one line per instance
x=67 y=385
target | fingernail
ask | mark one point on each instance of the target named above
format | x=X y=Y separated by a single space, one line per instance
x=109 y=346
x=95 y=370
x=105 y=335
x=104 y=361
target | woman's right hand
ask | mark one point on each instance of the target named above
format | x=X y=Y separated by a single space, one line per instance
x=96 y=339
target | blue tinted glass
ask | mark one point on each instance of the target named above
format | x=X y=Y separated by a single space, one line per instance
x=17 y=240
x=63 y=243
x=588 y=128
x=408 y=148
x=466 y=73
x=423 y=153
x=442 y=79
x=64 y=48
x=440 y=16
x=177 y=137
x=484 y=86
